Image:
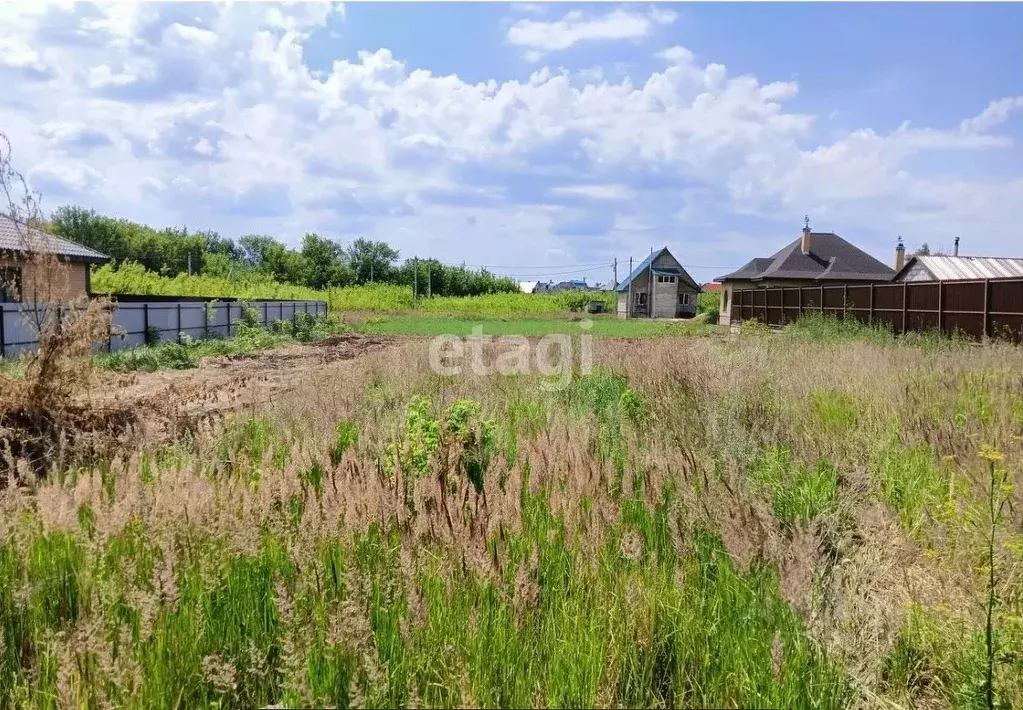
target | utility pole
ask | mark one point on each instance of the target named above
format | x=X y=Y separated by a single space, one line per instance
x=628 y=299
x=189 y=263
x=615 y=267
x=371 y=269
x=415 y=278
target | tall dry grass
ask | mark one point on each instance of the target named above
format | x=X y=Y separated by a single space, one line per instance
x=700 y=522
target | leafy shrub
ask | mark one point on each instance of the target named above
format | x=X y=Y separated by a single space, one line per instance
x=476 y=437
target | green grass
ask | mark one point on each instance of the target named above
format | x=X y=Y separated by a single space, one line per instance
x=186 y=354
x=374 y=298
x=798 y=493
x=206 y=625
x=608 y=326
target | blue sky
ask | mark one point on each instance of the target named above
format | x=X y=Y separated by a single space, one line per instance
x=532 y=138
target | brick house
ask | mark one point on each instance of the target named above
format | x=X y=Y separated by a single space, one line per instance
x=20 y=278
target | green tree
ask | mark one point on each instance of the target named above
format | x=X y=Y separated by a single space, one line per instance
x=324 y=262
x=371 y=261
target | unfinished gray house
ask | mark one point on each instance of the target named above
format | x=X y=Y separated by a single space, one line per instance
x=658 y=288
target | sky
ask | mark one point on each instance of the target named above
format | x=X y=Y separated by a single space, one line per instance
x=539 y=140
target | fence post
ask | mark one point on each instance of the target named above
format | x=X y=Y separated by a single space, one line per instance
x=145 y=324
x=266 y=314
x=179 y=323
x=987 y=304
x=940 y=305
x=845 y=301
x=799 y=302
x=905 y=304
x=822 y=300
x=870 y=316
x=110 y=329
x=229 y=319
x=205 y=320
x=3 y=342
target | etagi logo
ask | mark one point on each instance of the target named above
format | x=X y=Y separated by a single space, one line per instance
x=552 y=356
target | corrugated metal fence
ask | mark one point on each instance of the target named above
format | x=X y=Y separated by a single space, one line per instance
x=162 y=320
x=990 y=308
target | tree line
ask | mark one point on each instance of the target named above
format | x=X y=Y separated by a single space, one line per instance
x=319 y=263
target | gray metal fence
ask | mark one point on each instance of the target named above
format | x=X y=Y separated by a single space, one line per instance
x=163 y=321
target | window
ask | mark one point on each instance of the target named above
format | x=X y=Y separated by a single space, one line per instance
x=10 y=285
x=640 y=298
x=684 y=298
x=665 y=279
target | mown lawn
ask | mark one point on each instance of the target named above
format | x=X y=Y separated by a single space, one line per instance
x=606 y=326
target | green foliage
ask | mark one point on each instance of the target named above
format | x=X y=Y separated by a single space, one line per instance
x=378 y=298
x=833 y=410
x=798 y=493
x=911 y=481
x=475 y=436
x=421 y=438
x=939 y=656
x=249 y=337
x=346 y=436
x=260 y=260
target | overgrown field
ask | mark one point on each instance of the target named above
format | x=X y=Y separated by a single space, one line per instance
x=771 y=521
x=379 y=298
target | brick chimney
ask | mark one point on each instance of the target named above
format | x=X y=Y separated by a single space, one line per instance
x=900 y=255
x=804 y=242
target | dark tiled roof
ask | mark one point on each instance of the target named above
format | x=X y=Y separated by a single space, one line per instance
x=831 y=258
x=645 y=264
x=17 y=237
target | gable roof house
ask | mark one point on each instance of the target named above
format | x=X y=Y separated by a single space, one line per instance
x=816 y=258
x=20 y=278
x=658 y=288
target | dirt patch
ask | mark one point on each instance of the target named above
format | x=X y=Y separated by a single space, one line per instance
x=173 y=403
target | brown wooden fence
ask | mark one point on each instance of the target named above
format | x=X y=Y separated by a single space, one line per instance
x=991 y=308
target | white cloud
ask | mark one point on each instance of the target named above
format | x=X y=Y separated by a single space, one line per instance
x=540 y=37
x=64 y=175
x=236 y=133
x=185 y=35
x=597 y=192
x=676 y=55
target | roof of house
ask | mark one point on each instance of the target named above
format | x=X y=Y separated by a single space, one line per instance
x=666 y=271
x=711 y=287
x=572 y=285
x=965 y=268
x=831 y=258
x=18 y=237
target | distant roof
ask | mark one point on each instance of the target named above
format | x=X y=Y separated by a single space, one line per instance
x=573 y=284
x=18 y=237
x=668 y=271
x=966 y=268
x=831 y=258
x=711 y=287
